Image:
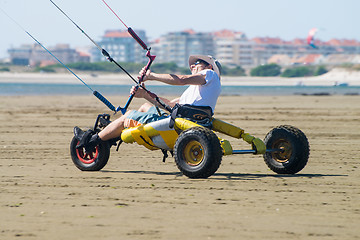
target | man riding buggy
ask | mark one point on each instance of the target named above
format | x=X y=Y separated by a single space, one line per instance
x=188 y=131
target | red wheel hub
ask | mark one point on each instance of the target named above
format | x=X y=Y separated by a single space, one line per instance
x=87 y=158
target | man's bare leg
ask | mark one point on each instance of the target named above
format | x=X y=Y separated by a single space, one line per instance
x=114 y=129
x=145 y=107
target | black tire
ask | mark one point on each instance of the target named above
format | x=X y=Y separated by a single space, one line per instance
x=295 y=146
x=197 y=152
x=94 y=161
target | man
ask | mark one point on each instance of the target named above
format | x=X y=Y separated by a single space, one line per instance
x=204 y=90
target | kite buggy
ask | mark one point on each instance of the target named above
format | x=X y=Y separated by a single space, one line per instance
x=189 y=133
x=197 y=150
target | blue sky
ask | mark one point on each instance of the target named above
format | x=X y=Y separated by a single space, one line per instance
x=287 y=19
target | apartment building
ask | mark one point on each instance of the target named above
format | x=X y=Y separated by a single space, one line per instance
x=21 y=55
x=176 y=47
x=35 y=55
x=233 y=48
x=121 y=46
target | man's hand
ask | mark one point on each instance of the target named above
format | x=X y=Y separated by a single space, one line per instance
x=138 y=92
x=146 y=75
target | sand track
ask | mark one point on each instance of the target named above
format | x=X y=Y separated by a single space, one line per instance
x=136 y=196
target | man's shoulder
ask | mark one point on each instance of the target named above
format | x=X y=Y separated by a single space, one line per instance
x=210 y=75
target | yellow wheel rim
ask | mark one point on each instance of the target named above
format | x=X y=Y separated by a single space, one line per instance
x=193 y=153
x=286 y=152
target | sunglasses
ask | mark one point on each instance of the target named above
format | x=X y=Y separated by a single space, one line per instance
x=199 y=61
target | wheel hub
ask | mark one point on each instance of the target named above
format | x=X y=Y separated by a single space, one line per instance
x=193 y=153
x=87 y=158
x=285 y=154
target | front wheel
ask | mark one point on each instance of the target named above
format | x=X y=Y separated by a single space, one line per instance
x=93 y=161
x=294 y=150
x=197 y=152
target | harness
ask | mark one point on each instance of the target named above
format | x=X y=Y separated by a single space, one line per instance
x=199 y=114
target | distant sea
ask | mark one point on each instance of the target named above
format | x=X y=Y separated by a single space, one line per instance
x=20 y=89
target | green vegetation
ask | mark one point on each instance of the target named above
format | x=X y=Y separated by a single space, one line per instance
x=351 y=66
x=237 y=71
x=99 y=66
x=273 y=69
x=320 y=70
x=47 y=69
x=169 y=68
x=304 y=71
x=357 y=67
x=4 y=69
x=268 y=70
x=297 y=72
x=108 y=67
x=134 y=68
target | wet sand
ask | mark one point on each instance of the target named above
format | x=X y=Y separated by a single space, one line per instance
x=137 y=196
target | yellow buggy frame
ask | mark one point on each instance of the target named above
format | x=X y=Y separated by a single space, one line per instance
x=197 y=150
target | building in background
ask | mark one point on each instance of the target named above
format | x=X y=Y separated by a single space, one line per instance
x=265 y=48
x=121 y=46
x=21 y=55
x=35 y=55
x=231 y=48
x=176 y=47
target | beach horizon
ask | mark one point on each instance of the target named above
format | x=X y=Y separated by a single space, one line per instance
x=334 y=77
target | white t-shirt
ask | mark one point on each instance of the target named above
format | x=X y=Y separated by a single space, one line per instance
x=203 y=95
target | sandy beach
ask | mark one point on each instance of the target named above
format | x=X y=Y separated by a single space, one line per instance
x=137 y=196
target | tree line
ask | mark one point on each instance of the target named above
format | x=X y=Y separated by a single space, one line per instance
x=134 y=68
x=266 y=70
x=273 y=70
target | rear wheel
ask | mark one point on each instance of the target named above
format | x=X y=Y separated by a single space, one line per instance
x=197 y=152
x=93 y=161
x=294 y=147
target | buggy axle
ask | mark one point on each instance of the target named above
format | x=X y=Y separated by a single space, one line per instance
x=251 y=151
